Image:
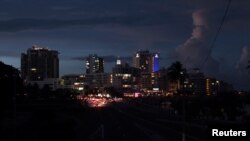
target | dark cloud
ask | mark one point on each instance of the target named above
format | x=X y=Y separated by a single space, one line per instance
x=36 y=24
x=106 y=58
x=55 y=14
x=125 y=59
x=62 y=8
x=79 y=58
x=9 y=53
x=130 y=20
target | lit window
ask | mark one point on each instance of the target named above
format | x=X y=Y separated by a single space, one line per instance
x=33 y=69
x=118 y=62
x=156 y=56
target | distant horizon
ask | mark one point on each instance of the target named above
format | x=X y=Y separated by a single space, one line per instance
x=112 y=64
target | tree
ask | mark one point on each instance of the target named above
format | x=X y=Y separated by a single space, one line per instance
x=46 y=92
x=113 y=92
x=33 y=91
x=177 y=74
x=11 y=85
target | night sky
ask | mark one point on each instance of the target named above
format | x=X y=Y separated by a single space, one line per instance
x=178 y=29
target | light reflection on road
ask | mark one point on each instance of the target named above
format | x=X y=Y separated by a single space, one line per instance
x=98 y=101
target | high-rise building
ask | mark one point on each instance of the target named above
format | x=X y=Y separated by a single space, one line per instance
x=147 y=62
x=39 y=64
x=125 y=76
x=94 y=64
x=198 y=81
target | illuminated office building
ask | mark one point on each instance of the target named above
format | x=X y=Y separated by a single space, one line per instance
x=125 y=76
x=147 y=62
x=39 y=64
x=94 y=64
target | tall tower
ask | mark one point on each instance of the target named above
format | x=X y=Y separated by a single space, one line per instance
x=94 y=64
x=39 y=64
x=147 y=62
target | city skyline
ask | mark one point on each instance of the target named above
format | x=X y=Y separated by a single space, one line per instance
x=124 y=60
x=111 y=29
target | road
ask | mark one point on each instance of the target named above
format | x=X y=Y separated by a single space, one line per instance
x=120 y=121
x=123 y=123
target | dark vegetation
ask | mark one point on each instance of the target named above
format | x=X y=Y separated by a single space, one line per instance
x=33 y=114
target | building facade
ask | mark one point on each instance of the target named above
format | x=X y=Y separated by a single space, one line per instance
x=39 y=64
x=198 y=81
x=94 y=64
x=73 y=81
x=146 y=61
x=98 y=80
x=125 y=76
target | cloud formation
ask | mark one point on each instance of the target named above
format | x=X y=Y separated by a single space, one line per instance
x=195 y=51
x=241 y=75
x=4 y=53
x=244 y=60
x=15 y=25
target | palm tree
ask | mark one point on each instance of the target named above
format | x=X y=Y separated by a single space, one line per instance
x=177 y=74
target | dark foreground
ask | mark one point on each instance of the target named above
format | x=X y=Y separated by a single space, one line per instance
x=115 y=122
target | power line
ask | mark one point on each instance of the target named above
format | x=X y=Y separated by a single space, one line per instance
x=217 y=34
